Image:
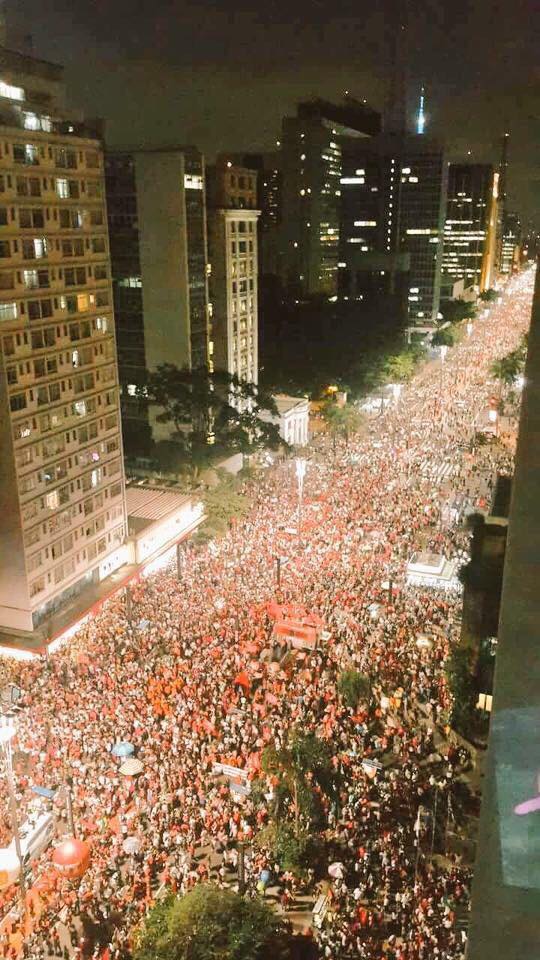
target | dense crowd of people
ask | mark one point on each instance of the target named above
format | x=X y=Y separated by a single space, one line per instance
x=182 y=673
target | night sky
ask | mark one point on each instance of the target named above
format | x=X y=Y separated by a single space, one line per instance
x=221 y=75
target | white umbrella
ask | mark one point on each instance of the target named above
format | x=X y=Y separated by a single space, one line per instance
x=131 y=767
x=336 y=870
x=131 y=845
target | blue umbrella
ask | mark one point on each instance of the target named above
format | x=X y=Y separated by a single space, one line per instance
x=123 y=749
x=265 y=877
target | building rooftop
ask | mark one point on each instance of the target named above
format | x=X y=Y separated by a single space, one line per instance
x=285 y=404
x=150 y=503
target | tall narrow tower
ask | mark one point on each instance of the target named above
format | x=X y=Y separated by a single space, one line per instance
x=421 y=117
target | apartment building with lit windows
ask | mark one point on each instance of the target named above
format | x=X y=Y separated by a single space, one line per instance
x=311 y=168
x=62 y=503
x=470 y=188
x=393 y=205
x=157 y=225
x=232 y=246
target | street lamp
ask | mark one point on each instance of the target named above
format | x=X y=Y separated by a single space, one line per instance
x=7 y=733
x=301 y=467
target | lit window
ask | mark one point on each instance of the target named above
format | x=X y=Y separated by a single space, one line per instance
x=40 y=247
x=95 y=476
x=132 y=389
x=351 y=180
x=80 y=408
x=365 y=223
x=193 y=182
x=133 y=282
x=406 y=170
x=101 y=324
x=11 y=92
x=8 y=311
x=51 y=500
x=62 y=189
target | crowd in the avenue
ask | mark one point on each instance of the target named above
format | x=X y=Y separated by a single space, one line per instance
x=183 y=674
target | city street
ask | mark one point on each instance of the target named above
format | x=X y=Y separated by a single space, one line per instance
x=184 y=676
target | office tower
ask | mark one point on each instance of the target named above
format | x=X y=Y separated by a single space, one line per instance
x=232 y=244
x=62 y=505
x=511 y=241
x=311 y=151
x=465 y=248
x=393 y=201
x=268 y=200
x=157 y=226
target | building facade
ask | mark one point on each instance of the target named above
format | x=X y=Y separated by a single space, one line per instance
x=311 y=161
x=470 y=186
x=233 y=251
x=511 y=242
x=157 y=224
x=63 y=518
x=393 y=202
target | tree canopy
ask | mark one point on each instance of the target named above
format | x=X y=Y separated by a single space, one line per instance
x=488 y=296
x=305 y=771
x=207 y=408
x=443 y=338
x=209 y=923
x=454 y=311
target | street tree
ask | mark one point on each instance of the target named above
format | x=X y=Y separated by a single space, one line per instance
x=353 y=687
x=304 y=770
x=443 y=337
x=210 y=923
x=342 y=421
x=209 y=409
x=488 y=296
x=454 y=311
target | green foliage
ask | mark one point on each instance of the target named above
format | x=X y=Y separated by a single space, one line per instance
x=353 y=686
x=508 y=368
x=400 y=367
x=221 y=504
x=212 y=924
x=454 y=311
x=459 y=674
x=488 y=296
x=291 y=852
x=204 y=406
x=342 y=421
x=445 y=337
x=304 y=770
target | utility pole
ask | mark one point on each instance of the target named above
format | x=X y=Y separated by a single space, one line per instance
x=278 y=572
x=179 y=559
x=69 y=806
x=241 y=868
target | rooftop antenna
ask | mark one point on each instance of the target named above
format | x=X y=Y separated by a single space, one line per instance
x=421 y=117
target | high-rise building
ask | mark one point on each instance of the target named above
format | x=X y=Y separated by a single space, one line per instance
x=393 y=202
x=311 y=153
x=157 y=224
x=62 y=502
x=470 y=189
x=511 y=241
x=268 y=169
x=232 y=244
